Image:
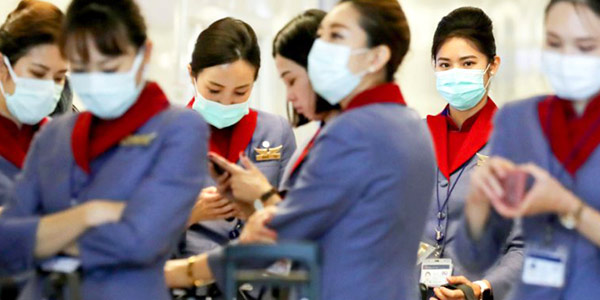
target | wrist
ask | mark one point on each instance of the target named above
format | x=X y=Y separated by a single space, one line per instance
x=570 y=204
x=485 y=289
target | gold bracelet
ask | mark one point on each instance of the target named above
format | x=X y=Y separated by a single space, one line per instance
x=190 y=271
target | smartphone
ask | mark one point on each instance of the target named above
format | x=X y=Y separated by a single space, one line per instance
x=516 y=184
x=217 y=168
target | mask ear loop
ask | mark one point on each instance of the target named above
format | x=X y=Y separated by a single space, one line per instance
x=10 y=72
x=491 y=76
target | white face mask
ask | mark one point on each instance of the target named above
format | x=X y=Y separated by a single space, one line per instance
x=217 y=114
x=573 y=77
x=462 y=88
x=109 y=95
x=329 y=73
x=33 y=99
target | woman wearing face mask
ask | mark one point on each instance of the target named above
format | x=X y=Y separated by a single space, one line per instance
x=464 y=55
x=224 y=66
x=32 y=74
x=359 y=194
x=131 y=148
x=554 y=141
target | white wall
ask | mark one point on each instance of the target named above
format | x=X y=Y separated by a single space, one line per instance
x=175 y=24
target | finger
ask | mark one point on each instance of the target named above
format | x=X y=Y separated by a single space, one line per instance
x=224 y=163
x=483 y=184
x=224 y=186
x=247 y=163
x=505 y=210
x=534 y=170
x=224 y=210
x=213 y=172
x=222 y=178
x=450 y=294
x=210 y=189
x=213 y=200
x=438 y=293
x=458 y=279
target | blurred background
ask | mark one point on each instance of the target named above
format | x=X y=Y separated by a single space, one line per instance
x=175 y=24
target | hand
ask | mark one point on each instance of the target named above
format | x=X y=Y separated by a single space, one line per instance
x=547 y=195
x=176 y=275
x=98 y=212
x=485 y=189
x=246 y=184
x=72 y=250
x=256 y=230
x=244 y=210
x=443 y=293
x=211 y=205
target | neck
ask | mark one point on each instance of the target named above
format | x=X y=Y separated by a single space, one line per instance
x=580 y=106
x=330 y=115
x=459 y=117
x=367 y=83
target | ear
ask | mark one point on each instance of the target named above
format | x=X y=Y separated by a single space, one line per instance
x=191 y=74
x=495 y=65
x=148 y=46
x=380 y=57
x=3 y=70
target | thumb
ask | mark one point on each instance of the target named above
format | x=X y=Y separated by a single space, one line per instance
x=247 y=163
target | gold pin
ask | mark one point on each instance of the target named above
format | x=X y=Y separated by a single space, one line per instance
x=138 y=140
x=481 y=159
x=266 y=154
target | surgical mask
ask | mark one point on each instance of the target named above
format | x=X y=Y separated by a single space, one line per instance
x=329 y=73
x=573 y=77
x=109 y=95
x=33 y=99
x=219 y=115
x=462 y=88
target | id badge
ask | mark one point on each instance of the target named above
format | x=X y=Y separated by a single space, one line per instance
x=434 y=272
x=545 y=267
x=424 y=252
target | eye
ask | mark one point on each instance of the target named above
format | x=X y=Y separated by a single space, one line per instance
x=587 y=48
x=468 y=63
x=38 y=74
x=108 y=71
x=292 y=81
x=240 y=93
x=553 y=44
x=336 y=36
x=444 y=65
x=213 y=91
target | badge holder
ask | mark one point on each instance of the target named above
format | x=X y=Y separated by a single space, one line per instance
x=434 y=272
x=545 y=265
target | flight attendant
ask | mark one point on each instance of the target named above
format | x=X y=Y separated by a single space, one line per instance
x=224 y=67
x=553 y=140
x=32 y=75
x=465 y=60
x=95 y=184
x=359 y=194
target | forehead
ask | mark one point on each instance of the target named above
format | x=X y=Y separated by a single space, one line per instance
x=239 y=72
x=342 y=14
x=575 y=20
x=48 y=55
x=457 y=47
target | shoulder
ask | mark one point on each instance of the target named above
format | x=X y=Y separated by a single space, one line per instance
x=517 y=111
x=180 y=118
x=269 y=119
x=59 y=125
x=377 y=118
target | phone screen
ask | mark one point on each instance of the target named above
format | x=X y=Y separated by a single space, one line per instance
x=515 y=185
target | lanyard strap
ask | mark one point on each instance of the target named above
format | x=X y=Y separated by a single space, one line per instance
x=441 y=215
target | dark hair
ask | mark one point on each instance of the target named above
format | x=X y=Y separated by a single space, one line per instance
x=113 y=25
x=294 y=42
x=31 y=24
x=469 y=23
x=385 y=24
x=594 y=5
x=225 y=41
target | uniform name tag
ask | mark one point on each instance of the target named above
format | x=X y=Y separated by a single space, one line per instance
x=545 y=267
x=264 y=154
x=434 y=272
x=138 y=139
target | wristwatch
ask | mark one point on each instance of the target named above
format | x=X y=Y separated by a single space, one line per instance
x=486 y=290
x=571 y=220
x=265 y=197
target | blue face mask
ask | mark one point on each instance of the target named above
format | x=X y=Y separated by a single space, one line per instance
x=328 y=70
x=33 y=99
x=219 y=115
x=462 y=88
x=109 y=95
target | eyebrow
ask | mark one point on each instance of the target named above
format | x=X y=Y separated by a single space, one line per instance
x=284 y=73
x=334 y=25
x=214 y=83
x=41 y=66
x=468 y=57
x=242 y=86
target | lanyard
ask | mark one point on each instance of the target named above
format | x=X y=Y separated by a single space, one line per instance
x=442 y=209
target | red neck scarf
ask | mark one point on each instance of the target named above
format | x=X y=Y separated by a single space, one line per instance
x=385 y=93
x=479 y=129
x=15 y=141
x=572 y=138
x=304 y=153
x=230 y=142
x=92 y=136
